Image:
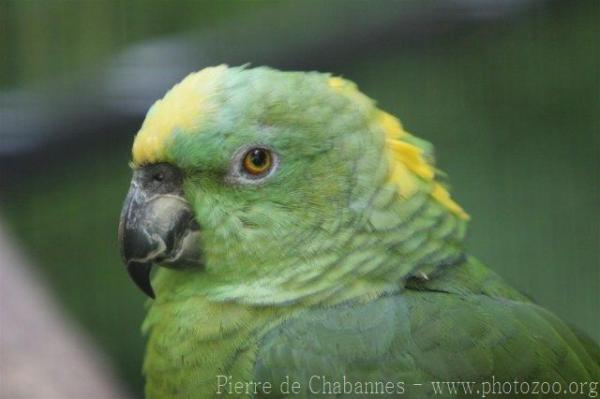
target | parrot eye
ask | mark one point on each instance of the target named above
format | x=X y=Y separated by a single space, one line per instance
x=257 y=161
x=252 y=165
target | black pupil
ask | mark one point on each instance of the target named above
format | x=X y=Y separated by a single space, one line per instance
x=258 y=157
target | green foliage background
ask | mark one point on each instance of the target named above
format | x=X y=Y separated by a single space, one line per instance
x=513 y=108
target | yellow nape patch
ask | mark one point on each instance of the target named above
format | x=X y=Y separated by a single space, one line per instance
x=346 y=88
x=408 y=165
x=443 y=197
x=337 y=83
x=183 y=108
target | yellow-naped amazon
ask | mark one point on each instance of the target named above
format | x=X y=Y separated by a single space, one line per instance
x=309 y=248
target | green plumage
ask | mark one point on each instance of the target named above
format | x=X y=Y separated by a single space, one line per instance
x=329 y=267
x=464 y=324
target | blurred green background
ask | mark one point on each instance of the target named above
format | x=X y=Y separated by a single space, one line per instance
x=510 y=98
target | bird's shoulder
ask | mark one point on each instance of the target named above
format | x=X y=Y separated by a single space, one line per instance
x=464 y=323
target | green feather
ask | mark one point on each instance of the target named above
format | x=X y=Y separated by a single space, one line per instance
x=329 y=266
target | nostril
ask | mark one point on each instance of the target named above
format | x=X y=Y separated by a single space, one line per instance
x=158 y=177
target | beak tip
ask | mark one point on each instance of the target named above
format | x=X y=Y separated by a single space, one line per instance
x=140 y=274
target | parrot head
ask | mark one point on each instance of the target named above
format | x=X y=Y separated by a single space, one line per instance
x=255 y=185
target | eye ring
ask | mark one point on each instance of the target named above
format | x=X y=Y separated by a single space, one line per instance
x=257 y=162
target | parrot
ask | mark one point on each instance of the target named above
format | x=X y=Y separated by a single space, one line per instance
x=306 y=245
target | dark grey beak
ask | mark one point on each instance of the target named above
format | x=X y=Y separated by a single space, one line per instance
x=157 y=225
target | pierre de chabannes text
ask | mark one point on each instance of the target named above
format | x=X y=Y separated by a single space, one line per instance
x=322 y=385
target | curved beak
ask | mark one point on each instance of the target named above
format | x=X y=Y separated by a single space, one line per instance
x=156 y=227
